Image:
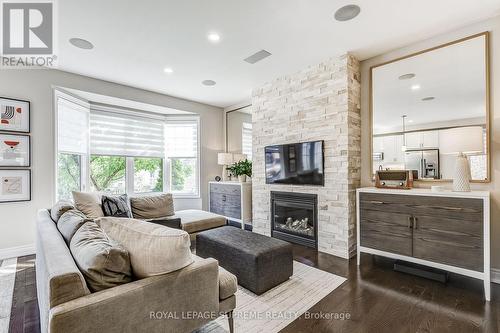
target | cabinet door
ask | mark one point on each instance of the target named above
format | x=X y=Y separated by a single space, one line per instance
x=414 y=140
x=453 y=237
x=383 y=230
x=430 y=139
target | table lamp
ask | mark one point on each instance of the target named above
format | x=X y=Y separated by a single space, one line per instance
x=224 y=159
x=461 y=141
x=239 y=157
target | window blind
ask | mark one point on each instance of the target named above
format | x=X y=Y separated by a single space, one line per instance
x=124 y=135
x=246 y=140
x=72 y=126
x=181 y=138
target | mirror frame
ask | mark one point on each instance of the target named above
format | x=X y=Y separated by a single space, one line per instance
x=486 y=36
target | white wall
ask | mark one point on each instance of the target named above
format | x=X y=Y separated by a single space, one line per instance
x=492 y=25
x=17 y=220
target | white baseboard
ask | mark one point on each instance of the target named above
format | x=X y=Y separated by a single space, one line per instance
x=17 y=251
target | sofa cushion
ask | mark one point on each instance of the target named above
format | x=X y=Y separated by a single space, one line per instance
x=152 y=206
x=69 y=223
x=103 y=262
x=89 y=203
x=194 y=220
x=61 y=207
x=154 y=249
x=116 y=206
x=228 y=284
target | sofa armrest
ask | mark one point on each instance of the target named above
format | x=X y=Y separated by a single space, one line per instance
x=155 y=304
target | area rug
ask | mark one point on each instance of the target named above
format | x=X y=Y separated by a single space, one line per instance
x=7 y=280
x=278 y=307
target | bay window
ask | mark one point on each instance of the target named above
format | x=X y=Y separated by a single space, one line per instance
x=119 y=151
x=72 y=121
x=182 y=144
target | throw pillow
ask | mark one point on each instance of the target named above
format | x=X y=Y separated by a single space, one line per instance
x=88 y=203
x=61 y=207
x=70 y=222
x=116 y=206
x=103 y=262
x=153 y=206
x=154 y=249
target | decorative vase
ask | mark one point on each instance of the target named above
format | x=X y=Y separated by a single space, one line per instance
x=242 y=178
x=461 y=179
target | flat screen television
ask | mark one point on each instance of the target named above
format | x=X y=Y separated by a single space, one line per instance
x=296 y=163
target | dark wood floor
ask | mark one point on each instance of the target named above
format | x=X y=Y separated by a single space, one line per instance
x=379 y=299
x=24 y=316
x=376 y=299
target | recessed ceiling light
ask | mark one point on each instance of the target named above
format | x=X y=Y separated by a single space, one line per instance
x=407 y=76
x=168 y=70
x=410 y=121
x=81 y=43
x=415 y=87
x=213 y=37
x=347 y=13
x=208 y=83
x=430 y=98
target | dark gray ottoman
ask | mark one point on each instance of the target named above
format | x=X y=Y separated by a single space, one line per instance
x=259 y=262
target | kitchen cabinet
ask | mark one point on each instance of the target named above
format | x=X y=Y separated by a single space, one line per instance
x=424 y=139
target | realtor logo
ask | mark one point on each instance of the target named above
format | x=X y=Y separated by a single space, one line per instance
x=27 y=34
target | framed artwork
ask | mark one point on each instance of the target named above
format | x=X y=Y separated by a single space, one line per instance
x=14 y=115
x=15 y=150
x=15 y=185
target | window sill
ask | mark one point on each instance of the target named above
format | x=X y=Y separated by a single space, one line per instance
x=186 y=196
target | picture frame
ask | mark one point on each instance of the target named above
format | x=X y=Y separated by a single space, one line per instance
x=15 y=150
x=15 y=115
x=15 y=185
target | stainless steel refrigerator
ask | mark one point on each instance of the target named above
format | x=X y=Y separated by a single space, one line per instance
x=424 y=161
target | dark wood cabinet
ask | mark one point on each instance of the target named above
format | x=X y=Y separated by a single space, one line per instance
x=446 y=232
x=441 y=229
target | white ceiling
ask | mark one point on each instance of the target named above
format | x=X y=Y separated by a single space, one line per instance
x=135 y=40
x=455 y=75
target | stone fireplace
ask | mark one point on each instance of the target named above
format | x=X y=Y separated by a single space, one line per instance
x=294 y=217
x=321 y=102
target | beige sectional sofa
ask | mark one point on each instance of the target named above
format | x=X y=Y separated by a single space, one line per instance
x=180 y=301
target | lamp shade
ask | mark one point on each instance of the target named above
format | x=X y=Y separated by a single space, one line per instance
x=465 y=140
x=224 y=158
x=239 y=157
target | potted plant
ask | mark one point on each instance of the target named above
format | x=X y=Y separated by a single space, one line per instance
x=242 y=169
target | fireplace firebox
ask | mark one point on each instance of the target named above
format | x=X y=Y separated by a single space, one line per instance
x=294 y=217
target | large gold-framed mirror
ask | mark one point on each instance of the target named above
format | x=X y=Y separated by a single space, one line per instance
x=429 y=106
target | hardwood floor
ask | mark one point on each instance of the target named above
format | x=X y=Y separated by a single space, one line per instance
x=379 y=299
x=376 y=299
x=24 y=316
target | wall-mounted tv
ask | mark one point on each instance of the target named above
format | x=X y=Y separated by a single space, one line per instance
x=296 y=163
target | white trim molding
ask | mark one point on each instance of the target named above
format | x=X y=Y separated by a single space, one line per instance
x=17 y=251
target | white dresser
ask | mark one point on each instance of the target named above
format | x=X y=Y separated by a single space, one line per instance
x=232 y=200
x=445 y=230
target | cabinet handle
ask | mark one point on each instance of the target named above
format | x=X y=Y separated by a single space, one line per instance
x=377 y=202
x=410 y=223
x=415 y=223
x=224 y=198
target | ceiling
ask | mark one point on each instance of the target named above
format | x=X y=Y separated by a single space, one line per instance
x=135 y=40
x=454 y=75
